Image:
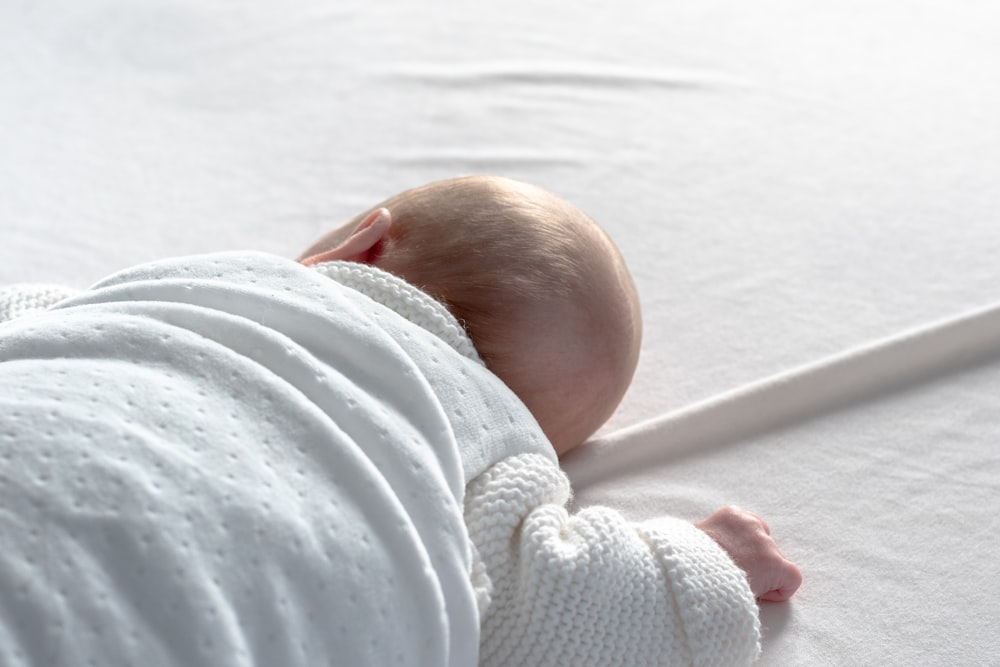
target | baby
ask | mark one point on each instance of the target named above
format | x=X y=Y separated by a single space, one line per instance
x=550 y=306
x=234 y=459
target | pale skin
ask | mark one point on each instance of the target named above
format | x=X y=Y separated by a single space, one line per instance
x=568 y=417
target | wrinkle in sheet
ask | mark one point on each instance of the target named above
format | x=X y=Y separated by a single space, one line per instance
x=584 y=75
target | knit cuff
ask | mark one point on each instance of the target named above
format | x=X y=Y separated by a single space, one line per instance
x=711 y=594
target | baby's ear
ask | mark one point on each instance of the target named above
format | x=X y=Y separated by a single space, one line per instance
x=364 y=245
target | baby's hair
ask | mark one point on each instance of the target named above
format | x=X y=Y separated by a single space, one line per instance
x=541 y=290
x=489 y=253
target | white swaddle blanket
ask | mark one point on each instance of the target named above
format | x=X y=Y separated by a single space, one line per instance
x=228 y=460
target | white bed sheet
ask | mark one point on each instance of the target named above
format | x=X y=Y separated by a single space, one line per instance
x=789 y=182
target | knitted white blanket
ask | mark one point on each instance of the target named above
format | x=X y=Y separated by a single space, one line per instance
x=184 y=481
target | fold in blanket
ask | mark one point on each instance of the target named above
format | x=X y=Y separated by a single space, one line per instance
x=856 y=375
x=184 y=481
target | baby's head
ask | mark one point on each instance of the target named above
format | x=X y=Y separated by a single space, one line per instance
x=542 y=291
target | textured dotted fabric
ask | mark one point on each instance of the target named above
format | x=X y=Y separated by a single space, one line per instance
x=230 y=460
x=18 y=300
x=489 y=422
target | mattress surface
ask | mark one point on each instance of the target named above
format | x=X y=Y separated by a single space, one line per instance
x=806 y=194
